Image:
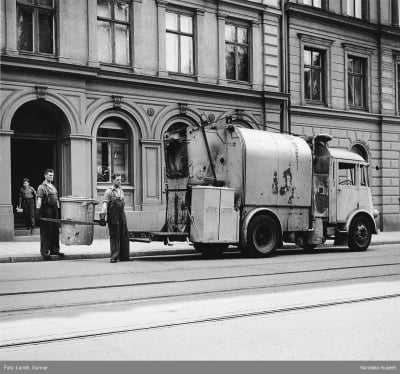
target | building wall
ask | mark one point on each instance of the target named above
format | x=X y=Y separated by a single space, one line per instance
x=143 y=95
x=149 y=99
x=377 y=128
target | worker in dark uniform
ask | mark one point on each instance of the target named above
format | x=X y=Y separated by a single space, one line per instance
x=48 y=206
x=114 y=207
x=27 y=200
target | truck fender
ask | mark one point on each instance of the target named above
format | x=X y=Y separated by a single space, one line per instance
x=249 y=216
x=364 y=212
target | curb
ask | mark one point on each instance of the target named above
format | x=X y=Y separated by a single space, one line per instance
x=39 y=258
x=155 y=252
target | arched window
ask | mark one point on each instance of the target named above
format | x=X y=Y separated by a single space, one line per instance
x=360 y=150
x=113 y=141
x=176 y=154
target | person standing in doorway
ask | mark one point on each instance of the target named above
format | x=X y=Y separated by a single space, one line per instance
x=114 y=207
x=27 y=200
x=48 y=206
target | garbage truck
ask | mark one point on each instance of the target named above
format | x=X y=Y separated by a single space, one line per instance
x=255 y=189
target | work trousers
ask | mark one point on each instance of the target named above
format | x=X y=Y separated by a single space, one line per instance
x=49 y=231
x=119 y=241
x=28 y=205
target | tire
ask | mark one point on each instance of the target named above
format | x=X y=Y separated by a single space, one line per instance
x=360 y=233
x=263 y=236
x=210 y=250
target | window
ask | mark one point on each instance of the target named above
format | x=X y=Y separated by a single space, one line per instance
x=176 y=152
x=35 y=26
x=237 y=52
x=314 y=3
x=179 y=43
x=364 y=177
x=356 y=68
x=113 y=25
x=356 y=8
x=112 y=151
x=347 y=174
x=314 y=75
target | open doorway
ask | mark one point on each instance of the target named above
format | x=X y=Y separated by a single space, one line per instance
x=39 y=129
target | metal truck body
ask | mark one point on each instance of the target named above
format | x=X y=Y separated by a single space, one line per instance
x=256 y=189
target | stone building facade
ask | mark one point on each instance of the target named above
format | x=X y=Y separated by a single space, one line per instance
x=90 y=87
x=353 y=93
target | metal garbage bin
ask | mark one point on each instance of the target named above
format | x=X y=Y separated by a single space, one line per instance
x=78 y=209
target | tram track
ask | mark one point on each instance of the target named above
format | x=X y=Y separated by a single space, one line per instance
x=194 y=321
x=119 y=285
x=268 y=283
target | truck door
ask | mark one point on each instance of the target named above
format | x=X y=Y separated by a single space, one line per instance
x=347 y=189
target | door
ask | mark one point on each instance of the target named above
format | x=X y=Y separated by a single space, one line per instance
x=29 y=159
x=347 y=189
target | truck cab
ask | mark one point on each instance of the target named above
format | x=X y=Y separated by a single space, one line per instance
x=350 y=207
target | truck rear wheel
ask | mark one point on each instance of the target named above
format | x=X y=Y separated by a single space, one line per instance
x=262 y=236
x=210 y=250
x=360 y=233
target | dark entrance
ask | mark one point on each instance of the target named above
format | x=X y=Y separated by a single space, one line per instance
x=39 y=129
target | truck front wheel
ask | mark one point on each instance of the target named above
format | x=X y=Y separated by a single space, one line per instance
x=262 y=236
x=360 y=232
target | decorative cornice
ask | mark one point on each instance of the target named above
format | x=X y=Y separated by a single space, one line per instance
x=326 y=17
x=162 y=3
x=306 y=38
x=362 y=48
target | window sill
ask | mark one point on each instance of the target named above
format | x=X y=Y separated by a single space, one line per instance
x=358 y=108
x=315 y=103
x=116 y=68
x=181 y=76
x=246 y=84
x=39 y=56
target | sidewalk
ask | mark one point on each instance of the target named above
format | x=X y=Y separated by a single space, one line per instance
x=28 y=251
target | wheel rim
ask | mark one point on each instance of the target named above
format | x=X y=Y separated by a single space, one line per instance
x=361 y=234
x=263 y=238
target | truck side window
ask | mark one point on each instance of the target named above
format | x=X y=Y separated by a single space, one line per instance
x=364 y=175
x=347 y=174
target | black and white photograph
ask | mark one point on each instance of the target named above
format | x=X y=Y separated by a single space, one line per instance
x=200 y=186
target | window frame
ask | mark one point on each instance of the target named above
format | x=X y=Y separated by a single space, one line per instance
x=322 y=2
x=364 y=52
x=235 y=44
x=364 y=9
x=110 y=144
x=112 y=21
x=180 y=33
x=322 y=73
x=322 y=45
x=35 y=9
x=363 y=75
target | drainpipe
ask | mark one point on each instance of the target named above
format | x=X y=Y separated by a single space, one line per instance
x=285 y=20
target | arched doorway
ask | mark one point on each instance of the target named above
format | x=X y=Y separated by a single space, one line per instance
x=40 y=129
